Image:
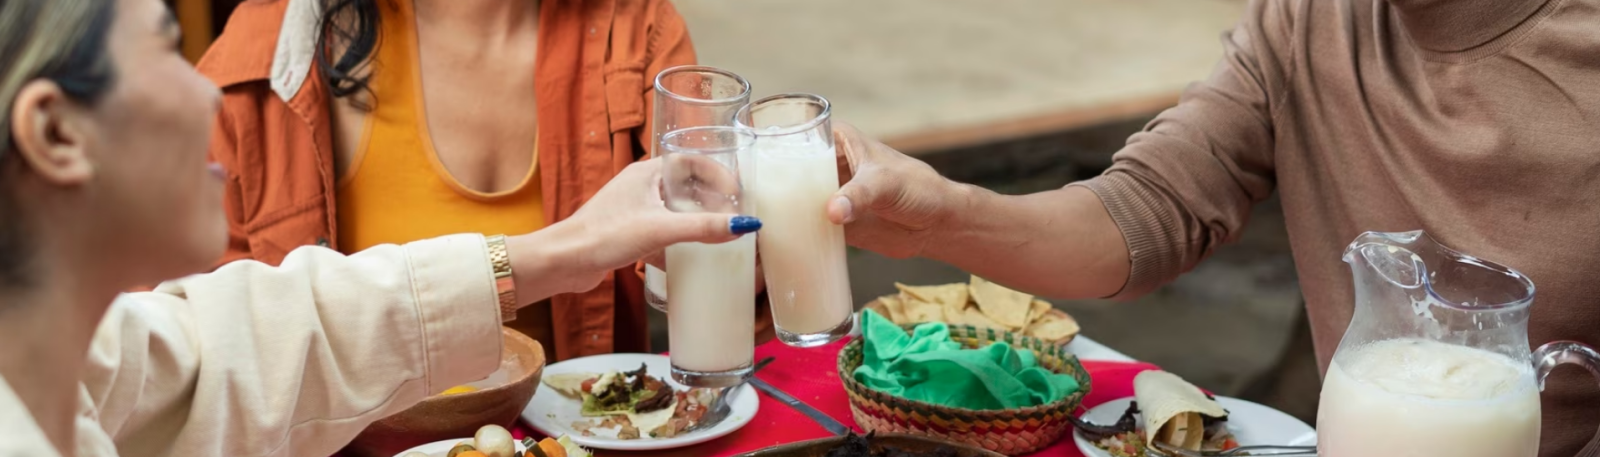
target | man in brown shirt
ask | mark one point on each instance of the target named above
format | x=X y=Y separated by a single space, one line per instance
x=1475 y=120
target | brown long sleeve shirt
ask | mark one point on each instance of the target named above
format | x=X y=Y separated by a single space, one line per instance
x=1475 y=120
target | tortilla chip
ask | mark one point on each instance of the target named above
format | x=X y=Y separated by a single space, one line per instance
x=953 y=311
x=1054 y=327
x=918 y=311
x=952 y=298
x=1040 y=307
x=912 y=291
x=976 y=318
x=941 y=294
x=893 y=308
x=1005 y=306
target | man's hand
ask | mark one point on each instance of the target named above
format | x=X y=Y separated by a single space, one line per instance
x=1059 y=243
x=888 y=202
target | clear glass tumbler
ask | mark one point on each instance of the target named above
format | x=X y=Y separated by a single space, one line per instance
x=690 y=96
x=802 y=253
x=712 y=287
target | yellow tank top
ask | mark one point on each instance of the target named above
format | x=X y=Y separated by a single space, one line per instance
x=397 y=190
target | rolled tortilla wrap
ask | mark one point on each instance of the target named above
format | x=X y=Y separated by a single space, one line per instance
x=1172 y=409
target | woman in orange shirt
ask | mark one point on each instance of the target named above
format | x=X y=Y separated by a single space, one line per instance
x=353 y=123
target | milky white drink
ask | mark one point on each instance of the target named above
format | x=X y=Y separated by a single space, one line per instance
x=655 y=282
x=712 y=287
x=1417 y=398
x=802 y=253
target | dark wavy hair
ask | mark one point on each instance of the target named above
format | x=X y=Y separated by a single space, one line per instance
x=350 y=29
x=63 y=41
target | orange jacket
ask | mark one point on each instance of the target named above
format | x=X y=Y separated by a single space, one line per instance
x=597 y=60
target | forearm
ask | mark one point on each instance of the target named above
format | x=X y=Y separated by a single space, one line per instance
x=1061 y=243
x=548 y=262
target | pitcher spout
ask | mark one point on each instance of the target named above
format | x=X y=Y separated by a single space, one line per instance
x=1392 y=257
x=1416 y=262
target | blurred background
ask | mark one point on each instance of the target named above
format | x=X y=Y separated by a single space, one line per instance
x=1018 y=96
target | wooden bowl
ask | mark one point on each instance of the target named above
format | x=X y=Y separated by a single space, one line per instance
x=499 y=401
x=910 y=443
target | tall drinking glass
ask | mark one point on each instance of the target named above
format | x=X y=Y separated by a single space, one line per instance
x=712 y=286
x=690 y=96
x=802 y=254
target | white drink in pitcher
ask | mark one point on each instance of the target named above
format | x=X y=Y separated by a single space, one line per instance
x=1436 y=359
x=802 y=253
x=1421 y=398
x=712 y=323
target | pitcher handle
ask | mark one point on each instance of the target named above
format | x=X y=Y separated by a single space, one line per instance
x=1558 y=353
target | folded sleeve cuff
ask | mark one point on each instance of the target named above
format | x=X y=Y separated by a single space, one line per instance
x=1148 y=226
x=453 y=281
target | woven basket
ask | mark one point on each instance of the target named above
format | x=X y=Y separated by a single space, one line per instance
x=1007 y=431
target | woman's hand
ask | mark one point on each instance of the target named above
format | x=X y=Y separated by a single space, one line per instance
x=889 y=203
x=624 y=222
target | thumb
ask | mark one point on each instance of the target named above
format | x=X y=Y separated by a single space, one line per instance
x=709 y=228
x=855 y=195
x=841 y=208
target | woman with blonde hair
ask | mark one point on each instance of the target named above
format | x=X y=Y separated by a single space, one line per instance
x=104 y=186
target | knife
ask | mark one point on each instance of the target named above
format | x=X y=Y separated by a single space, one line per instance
x=833 y=426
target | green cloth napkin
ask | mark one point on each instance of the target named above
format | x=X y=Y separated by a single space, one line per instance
x=928 y=366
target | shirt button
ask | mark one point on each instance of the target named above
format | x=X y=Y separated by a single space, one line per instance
x=594 y=337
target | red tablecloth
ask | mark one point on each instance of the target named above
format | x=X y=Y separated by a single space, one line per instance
x=811 y=376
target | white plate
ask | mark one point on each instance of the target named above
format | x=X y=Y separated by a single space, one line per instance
x=442 y=448
x=553 y=413
x=1251 y=424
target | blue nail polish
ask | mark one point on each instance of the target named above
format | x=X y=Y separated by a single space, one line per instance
x=743 y=224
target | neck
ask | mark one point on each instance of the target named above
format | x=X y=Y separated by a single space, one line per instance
x=482 y=17
x=1459 y=25
x=46 y=333
x=46 y=327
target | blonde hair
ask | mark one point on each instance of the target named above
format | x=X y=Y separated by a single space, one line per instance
x=63 y=41
x=60 y=40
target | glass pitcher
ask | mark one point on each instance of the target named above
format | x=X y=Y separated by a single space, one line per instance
x=1436 y=361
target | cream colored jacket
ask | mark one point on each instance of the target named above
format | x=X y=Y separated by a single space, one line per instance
x=252 y=360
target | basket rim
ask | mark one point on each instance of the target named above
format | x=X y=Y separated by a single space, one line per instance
x=1072 y=366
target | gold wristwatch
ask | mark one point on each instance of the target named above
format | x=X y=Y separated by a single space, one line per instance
x=504 y=284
